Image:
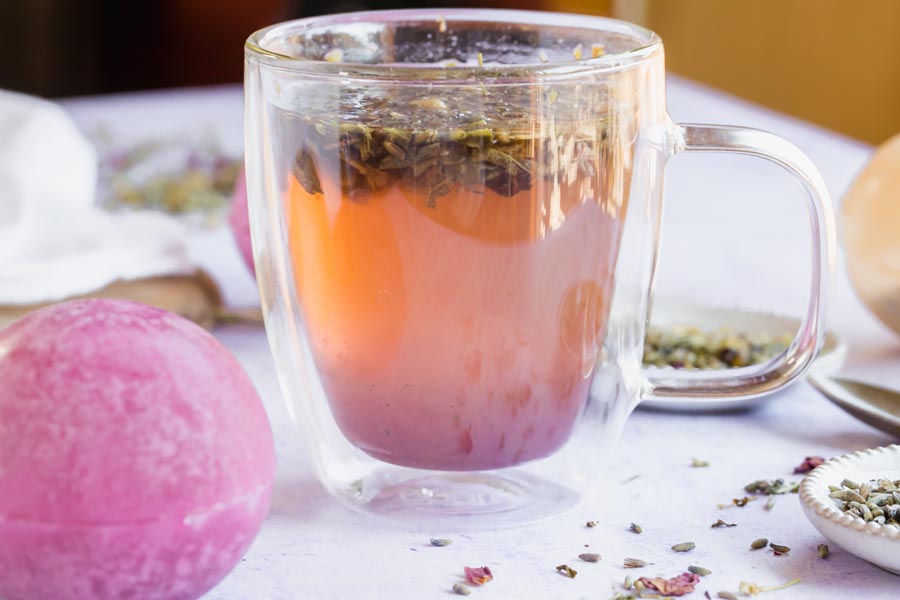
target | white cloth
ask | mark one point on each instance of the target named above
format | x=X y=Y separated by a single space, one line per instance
x=54 y=242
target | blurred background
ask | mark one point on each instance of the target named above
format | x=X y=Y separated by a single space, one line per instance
x=832 y=62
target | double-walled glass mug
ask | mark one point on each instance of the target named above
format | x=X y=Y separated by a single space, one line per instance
x=455 y=222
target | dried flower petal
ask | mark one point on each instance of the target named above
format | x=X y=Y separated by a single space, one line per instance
x=721 y=523
x=752 y=589
x=567 y=571
x=335 y=55
x=676 y=586
x=809 y=463
x=478 y=575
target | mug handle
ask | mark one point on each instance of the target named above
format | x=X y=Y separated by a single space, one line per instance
x=780 y=370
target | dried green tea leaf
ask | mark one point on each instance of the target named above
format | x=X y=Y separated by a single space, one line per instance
x=306 y=173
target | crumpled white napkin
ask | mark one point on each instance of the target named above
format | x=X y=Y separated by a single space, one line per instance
x=54 y=241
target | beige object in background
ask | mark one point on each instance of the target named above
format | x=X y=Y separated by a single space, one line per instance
x=833 y=62
x=870 y=227
x=194 y=296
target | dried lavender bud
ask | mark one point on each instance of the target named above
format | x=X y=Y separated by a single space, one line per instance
x=779 y=549
x=634 y=563
x=760 y=543
x=684 y=547
x=440 y=542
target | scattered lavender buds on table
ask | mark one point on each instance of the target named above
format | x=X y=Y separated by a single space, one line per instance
x=699 y=571
x=696 y=462
x=684 y=547
x=589 y=557
x=636 y=528
x=591 y=524
x=760 y=543
x=822 y=550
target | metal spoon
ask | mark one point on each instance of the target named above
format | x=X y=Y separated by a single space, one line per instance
x=877 y=406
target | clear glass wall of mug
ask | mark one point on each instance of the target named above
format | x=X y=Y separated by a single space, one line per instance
x=455 y=221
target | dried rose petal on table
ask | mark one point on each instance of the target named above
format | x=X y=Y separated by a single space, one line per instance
x=478 y=575
x=676 y=586
x=808 y=464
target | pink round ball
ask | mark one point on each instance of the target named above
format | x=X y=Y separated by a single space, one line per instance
x=136 y=459
x=239 y=219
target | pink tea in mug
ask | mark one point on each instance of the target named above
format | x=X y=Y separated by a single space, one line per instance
x=453 y=255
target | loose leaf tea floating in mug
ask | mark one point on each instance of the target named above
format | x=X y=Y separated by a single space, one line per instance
x=404 y=137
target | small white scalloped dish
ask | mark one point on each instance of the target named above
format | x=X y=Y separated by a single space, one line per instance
x=878 y=544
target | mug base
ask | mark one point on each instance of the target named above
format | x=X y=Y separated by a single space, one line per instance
x=480 y=500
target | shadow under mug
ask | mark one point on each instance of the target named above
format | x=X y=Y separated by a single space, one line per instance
x=455 y=223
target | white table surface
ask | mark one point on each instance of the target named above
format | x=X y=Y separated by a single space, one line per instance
x=735 y=236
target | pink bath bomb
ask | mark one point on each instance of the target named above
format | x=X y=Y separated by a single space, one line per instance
x=239 y=219
x=136 y=459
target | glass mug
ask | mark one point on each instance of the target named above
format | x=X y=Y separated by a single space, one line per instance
x=455 y=221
